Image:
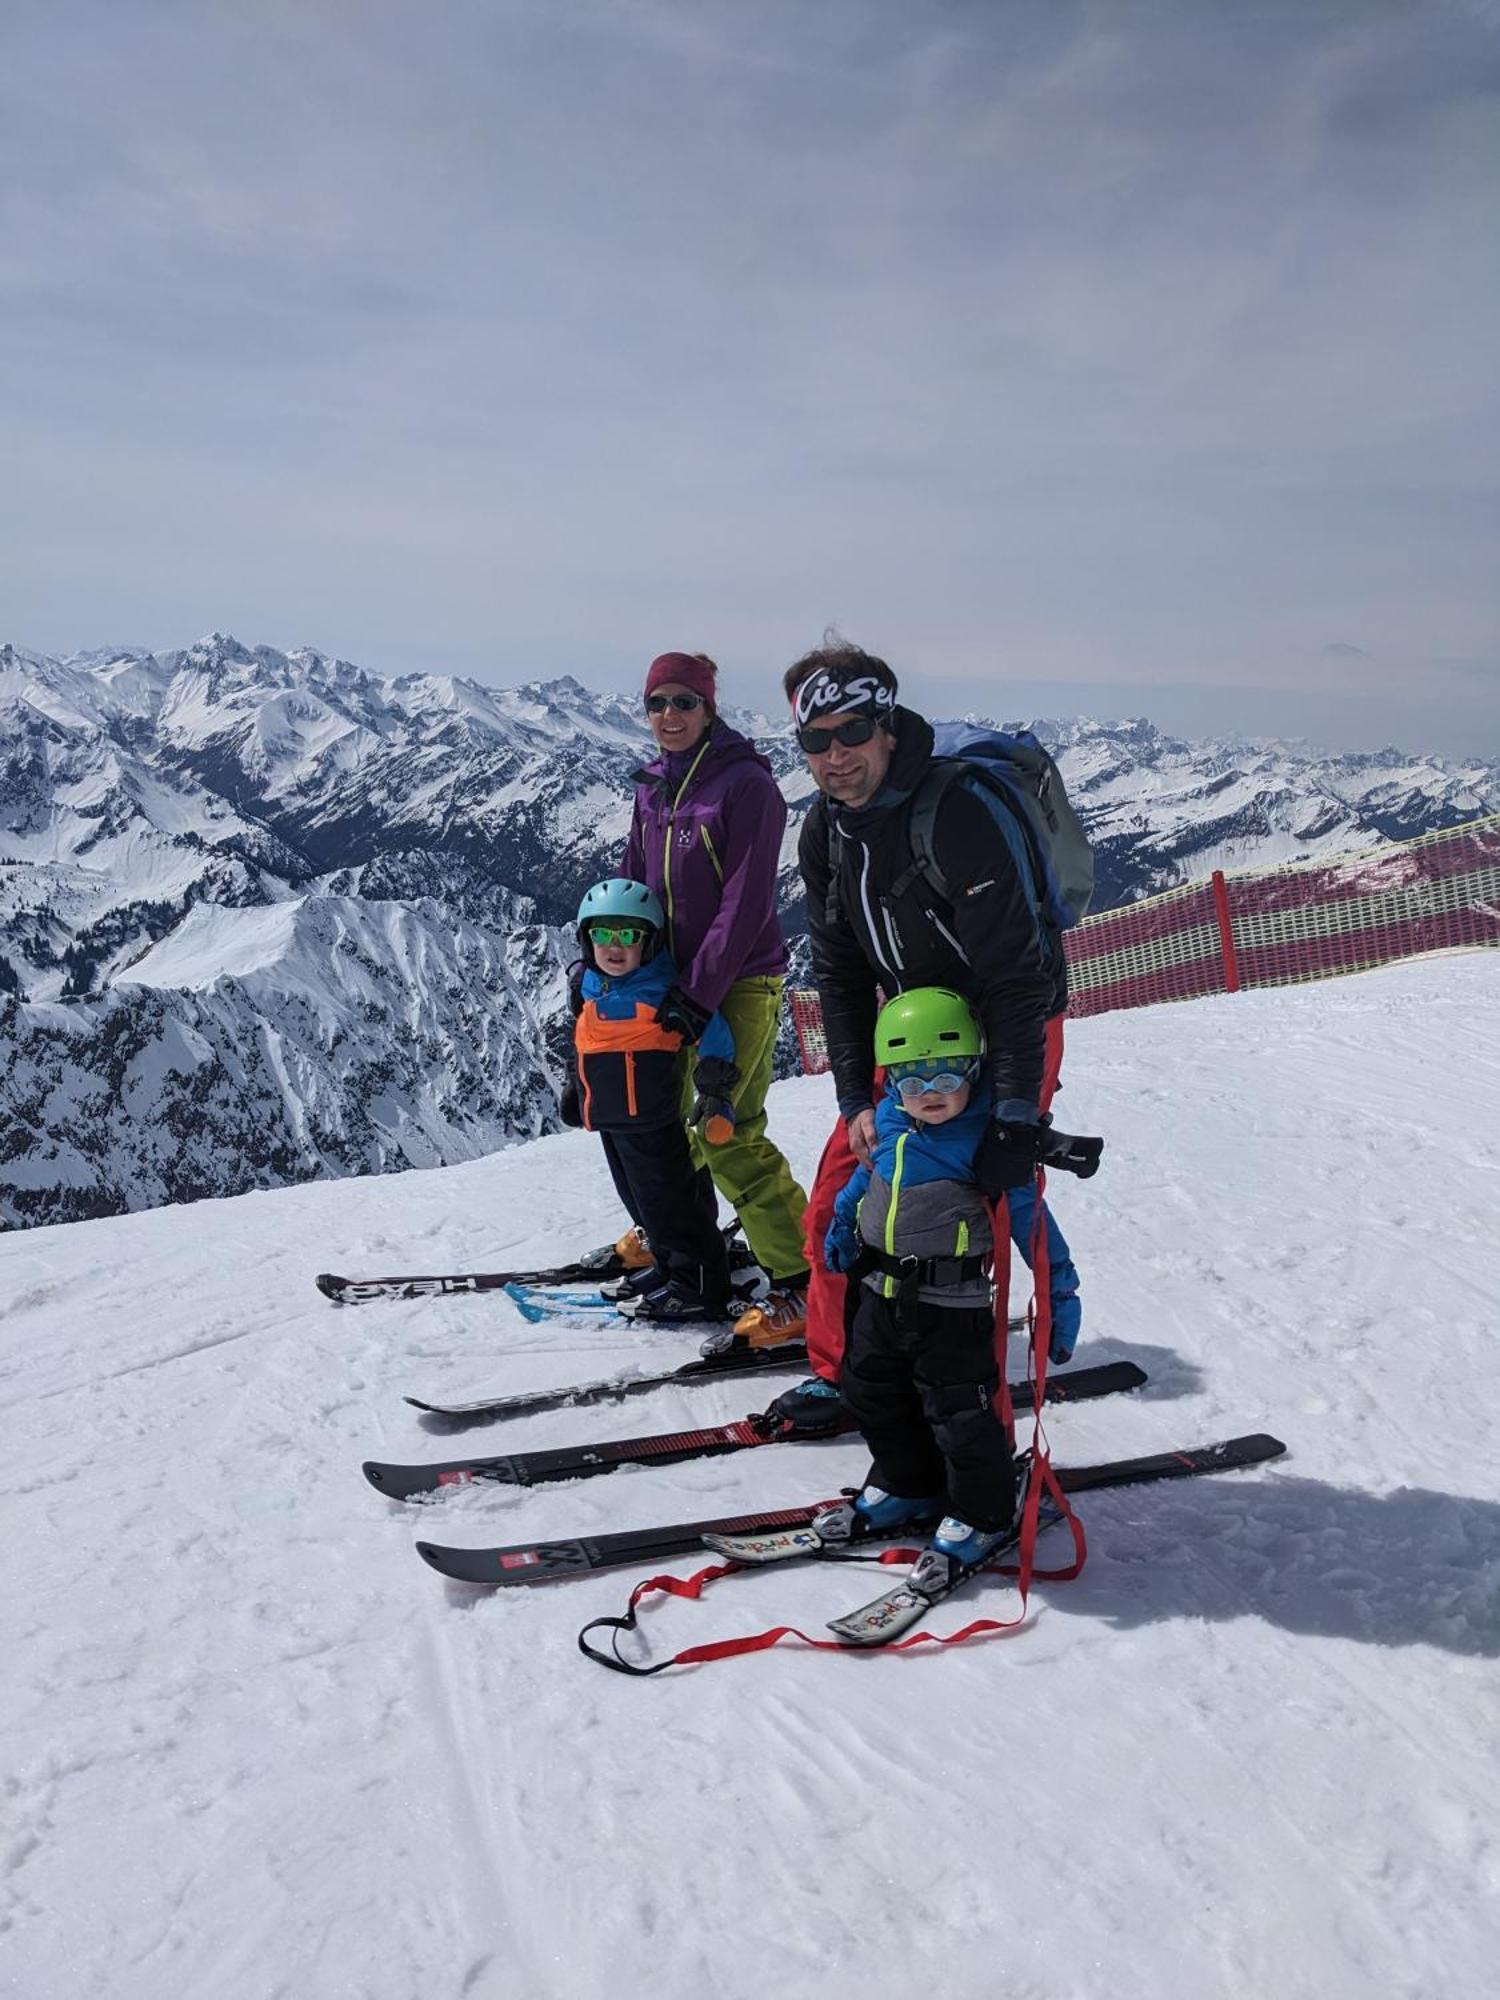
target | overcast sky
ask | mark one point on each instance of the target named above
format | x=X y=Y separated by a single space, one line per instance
x=1119 y=358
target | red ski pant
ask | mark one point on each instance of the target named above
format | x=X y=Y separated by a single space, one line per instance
x=826 y=1289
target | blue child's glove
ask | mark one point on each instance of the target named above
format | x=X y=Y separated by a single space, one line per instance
x=1067 y=1315
x=841 y=1246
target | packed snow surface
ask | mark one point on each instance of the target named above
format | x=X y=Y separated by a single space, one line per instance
x=253 y=1747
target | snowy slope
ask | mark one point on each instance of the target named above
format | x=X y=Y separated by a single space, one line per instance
x=251 y=1747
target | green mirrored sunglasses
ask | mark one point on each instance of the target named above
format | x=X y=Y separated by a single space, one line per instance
x=619 y=933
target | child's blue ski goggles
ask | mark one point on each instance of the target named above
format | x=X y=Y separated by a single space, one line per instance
x=916 y=1079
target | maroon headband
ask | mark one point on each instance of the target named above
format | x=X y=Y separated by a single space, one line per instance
x=686 y=671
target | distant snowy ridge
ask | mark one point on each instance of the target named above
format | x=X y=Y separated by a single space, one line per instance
x=139 y=792
x=257 y=1048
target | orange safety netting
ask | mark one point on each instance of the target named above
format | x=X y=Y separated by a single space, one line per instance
x=1270 y=927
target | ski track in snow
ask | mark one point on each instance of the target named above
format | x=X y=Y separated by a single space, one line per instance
x=251 y=1746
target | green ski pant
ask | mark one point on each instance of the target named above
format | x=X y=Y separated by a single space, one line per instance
x=748 y=1170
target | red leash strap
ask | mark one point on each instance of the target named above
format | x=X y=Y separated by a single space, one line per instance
x=712 y=1649
x=761 y=1642
x=1042 y=1480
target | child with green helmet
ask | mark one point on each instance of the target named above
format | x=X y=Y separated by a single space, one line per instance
x=921 y=1372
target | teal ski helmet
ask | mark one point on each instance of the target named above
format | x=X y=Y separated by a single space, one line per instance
x=621 y=901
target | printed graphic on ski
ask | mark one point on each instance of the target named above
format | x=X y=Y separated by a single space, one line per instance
x=904 y=1605
x=534 y=1468
x=357 y=1291
x=541 y=1562
x=595 y=1265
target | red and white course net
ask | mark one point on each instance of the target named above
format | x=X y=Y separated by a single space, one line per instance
x=1270 y=927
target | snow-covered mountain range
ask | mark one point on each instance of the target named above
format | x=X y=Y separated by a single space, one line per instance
x=266 y=916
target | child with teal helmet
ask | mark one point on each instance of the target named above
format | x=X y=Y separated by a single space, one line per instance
x=627 y=1088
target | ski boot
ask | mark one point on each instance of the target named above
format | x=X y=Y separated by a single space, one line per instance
x=634 y=1284
x=780 y=1316
x=812 y=1406
x=955 y=1549
x=872 y=1512
x=676 y=1304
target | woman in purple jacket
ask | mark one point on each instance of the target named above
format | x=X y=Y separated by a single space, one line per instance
x=706 y=836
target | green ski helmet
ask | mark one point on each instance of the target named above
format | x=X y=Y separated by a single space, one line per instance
x=621 y=901
x=928 y=1024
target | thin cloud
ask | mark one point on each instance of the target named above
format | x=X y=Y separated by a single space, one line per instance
x=1144 y=346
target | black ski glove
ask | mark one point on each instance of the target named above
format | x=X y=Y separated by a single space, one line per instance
x=1007 y=1157
x=575 y=986
x=569 y=1106
x=714 y=1080
x=681 y=1016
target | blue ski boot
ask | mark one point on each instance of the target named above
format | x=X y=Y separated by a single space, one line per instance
x=955 y=1549
x=873 y=1512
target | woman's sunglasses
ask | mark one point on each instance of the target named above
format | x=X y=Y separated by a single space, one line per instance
x=658 y=704
x=942 y=1084
x=626 y=934
x=818 y=742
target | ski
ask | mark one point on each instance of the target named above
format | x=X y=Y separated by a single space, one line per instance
x=896 y=1610
x=580 y=1461
x=536 y=1303
x=594 y=1266
x=540 y=1562
x=739 y=1360
x=601 y=1264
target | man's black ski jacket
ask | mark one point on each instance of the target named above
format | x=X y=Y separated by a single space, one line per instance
x=988 y=942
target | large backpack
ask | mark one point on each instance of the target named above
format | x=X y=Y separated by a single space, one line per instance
x=1027 y=793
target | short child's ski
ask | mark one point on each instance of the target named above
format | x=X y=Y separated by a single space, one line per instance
x=535 y=1468
x=739 y=1360
x=536 y=1303
x=897 y=1610
x=539 y=1562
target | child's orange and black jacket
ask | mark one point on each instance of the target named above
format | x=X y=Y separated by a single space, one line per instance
x=627 y=1062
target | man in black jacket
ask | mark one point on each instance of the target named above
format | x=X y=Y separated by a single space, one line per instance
x=875 y=922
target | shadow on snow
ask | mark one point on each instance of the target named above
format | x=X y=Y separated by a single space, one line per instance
x=1407 y=1568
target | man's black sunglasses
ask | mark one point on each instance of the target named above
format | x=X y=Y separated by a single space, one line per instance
x=817 y=742
x=657 y=704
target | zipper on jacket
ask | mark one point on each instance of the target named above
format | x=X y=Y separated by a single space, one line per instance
x=889 y=1285
x=864 y=897
x=630 y=1081
x=666 y=859
x=937 y=920
x=712 y=855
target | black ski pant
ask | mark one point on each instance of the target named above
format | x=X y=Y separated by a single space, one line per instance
x=674 y=1203
x=921 y=1382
